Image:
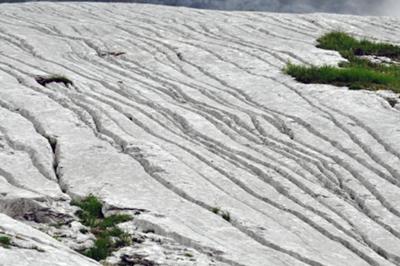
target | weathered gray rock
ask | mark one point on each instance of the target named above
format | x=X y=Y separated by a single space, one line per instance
x=181 y=117
x=32 y=247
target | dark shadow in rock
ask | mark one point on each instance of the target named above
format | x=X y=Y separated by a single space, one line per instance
x=104 y=54
x=136 y=259
x=44 y=80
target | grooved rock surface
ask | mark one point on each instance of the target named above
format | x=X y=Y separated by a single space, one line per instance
x=174 y=114
x=32 y=247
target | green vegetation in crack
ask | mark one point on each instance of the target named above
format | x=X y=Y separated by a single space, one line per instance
x=5 y=241
x=358 y=72
x=224 y=214
x=108 y=236
x=216 y=210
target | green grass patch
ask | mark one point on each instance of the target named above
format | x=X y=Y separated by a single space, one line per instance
x=113 y=220
x=90 y=212
x=347 y=46
x=357 y=73
x=353 y=77
x=108 y=236
x=5 y=241
x=101 y=249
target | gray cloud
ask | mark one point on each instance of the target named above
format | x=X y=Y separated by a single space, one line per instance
x=357 y=7
x=362 y=7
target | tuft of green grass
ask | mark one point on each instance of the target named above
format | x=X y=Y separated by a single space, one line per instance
x=123 y=240
x=108 y=236
x=352 y=77
x=216 y=210
x=90 y=210
x=100 y=250
x=5 y=241
x=347 y=46
x=113 y=220
x=356 y=73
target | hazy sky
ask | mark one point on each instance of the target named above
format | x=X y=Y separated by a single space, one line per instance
x=372 y=7
x=359 y=7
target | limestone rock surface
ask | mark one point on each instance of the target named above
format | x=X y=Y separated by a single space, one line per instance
x=184 y=119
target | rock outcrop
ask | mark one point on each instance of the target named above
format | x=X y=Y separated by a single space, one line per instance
x=183 y=119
